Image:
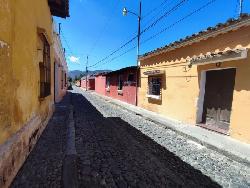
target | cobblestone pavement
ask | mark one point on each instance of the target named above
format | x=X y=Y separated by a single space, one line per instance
x=43 y=167
x=113 y=153
x=118 y=148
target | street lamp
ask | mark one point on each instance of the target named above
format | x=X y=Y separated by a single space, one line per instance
x=125 y=12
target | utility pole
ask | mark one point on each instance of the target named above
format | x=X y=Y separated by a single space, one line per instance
x=139 y=34
x=125 y=12
x=240 y=7
x=138 y=54
x=86 y=79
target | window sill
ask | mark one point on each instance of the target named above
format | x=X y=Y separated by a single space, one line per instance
x=120 y=92
x=43 y=98
x=157 y=97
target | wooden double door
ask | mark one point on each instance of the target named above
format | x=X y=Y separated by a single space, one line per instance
x=218 y=99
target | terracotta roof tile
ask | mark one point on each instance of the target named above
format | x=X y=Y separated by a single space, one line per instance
x=229 y=22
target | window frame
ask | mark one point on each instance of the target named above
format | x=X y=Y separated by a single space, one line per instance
x=107 y=85
x=65 y=79
x=153 y=85
x=120 y=82
x=45 y=68
x=133 y=80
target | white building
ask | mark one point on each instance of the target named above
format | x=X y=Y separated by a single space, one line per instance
x=61 y=68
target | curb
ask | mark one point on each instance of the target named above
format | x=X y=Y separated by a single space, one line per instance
x=70 y=160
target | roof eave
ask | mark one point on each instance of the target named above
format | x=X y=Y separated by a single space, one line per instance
x=59 y=9
x=198 y=38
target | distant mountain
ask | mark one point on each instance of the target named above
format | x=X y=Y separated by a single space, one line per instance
x=74 y=73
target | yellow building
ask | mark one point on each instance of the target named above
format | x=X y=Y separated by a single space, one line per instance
x=26 y=77
x=202 y=80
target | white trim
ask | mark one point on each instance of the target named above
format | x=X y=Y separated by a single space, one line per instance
x=158 y=97
x=200 y=101
x=120 y=91
x=242 y=55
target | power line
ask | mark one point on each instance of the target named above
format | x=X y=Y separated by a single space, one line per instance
x=66 y=42
x=154 y=9
x=165 y=29
x=158 y=12
x=180 y=20
x=164 y=15
x=115 y=51
x=146 y=29
x=116 y=57
x=103 y=30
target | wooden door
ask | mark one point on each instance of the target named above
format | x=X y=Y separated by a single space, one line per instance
x=218 y=99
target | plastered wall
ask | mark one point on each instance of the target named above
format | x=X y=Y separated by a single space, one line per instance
x=19 y=66
x=181 y=84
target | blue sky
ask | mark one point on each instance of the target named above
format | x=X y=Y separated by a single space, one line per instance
x=97 y=27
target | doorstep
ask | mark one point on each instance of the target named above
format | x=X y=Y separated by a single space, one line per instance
x=224 y=144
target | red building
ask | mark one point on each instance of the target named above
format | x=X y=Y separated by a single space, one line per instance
x=90 y=83
x=121 y=84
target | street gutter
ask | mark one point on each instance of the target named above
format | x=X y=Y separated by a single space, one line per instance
x=70 y=178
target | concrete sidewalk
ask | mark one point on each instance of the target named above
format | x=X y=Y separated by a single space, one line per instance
x=232 y=148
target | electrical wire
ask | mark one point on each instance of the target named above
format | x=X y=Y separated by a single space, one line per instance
x=165 y=29
x=103 y=30
x=163 y=16
x=115 y=51
x=116 y=57
x=162 y=8
x=180 y=20
x=154 y=9
x=143 y=31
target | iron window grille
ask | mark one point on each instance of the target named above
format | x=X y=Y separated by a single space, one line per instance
x=62 y=80
x=154 y=86
x=45 y=70
x=131 y=77
x=108 y=82
x=65 y=80
x=120 y=82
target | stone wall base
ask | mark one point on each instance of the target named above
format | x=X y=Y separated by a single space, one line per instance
x=14 y=152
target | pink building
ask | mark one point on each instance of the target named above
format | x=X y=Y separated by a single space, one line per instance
x=90 y=83
x=60 y=68
x=100 y=83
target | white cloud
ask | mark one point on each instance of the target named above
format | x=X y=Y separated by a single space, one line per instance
x=74 y=59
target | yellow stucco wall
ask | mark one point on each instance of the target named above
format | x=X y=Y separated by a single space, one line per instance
x=180 y=90
x=19 y=66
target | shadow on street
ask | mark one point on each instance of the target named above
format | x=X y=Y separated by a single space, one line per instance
x=112 y=153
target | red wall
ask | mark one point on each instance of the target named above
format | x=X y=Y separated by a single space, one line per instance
x=100 y=84
x=129 y=89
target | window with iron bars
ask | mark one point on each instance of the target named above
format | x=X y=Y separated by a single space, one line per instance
x=45 y=72
x=154 y=86
x=131 y=77
x=108 y=82
x=120 y=82
x=65 y=80
x=62 y=80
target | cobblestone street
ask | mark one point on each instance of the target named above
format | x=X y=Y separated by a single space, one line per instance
x=117 y=148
